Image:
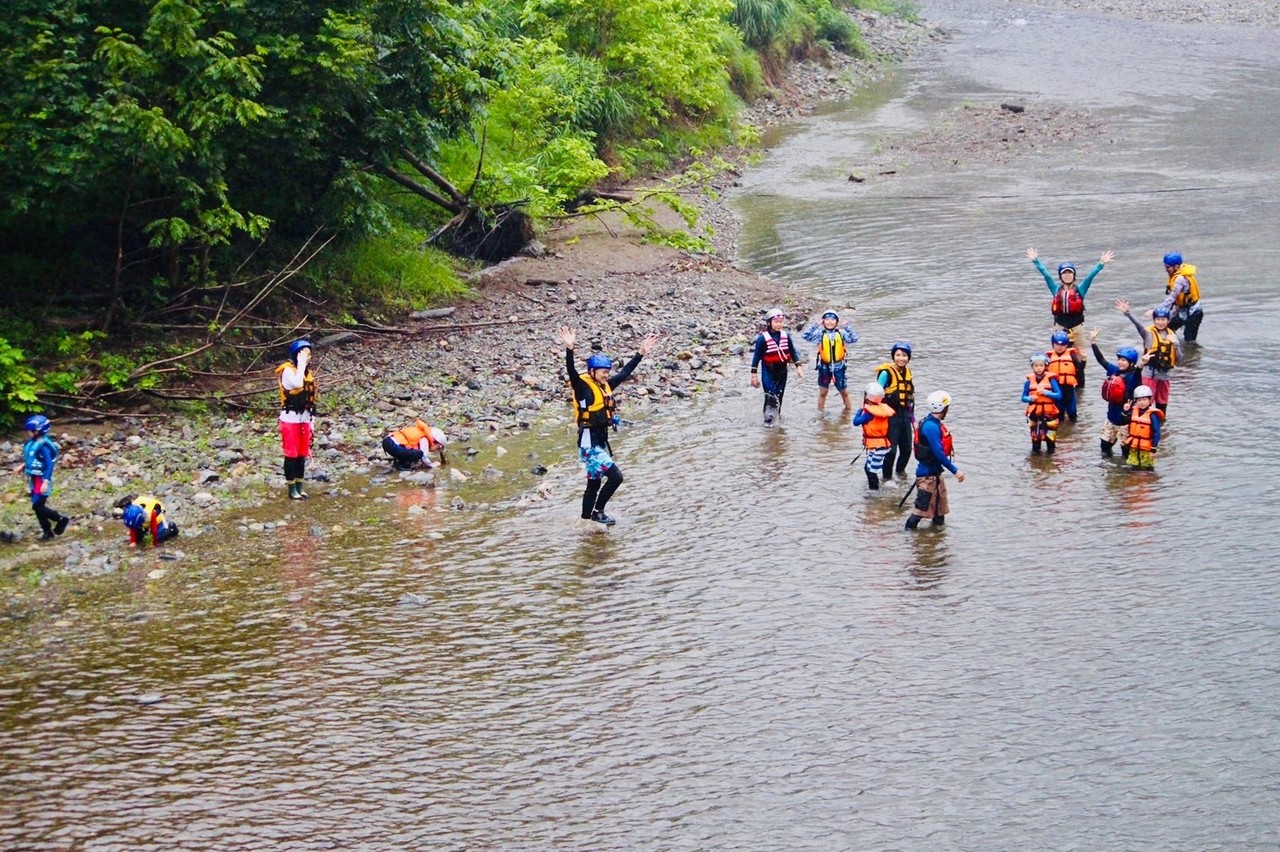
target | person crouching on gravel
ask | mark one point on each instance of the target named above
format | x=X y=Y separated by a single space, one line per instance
x=775 y=348
x=832 y=340
x=411 y=445
x=596 y=415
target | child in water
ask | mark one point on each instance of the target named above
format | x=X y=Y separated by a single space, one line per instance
x=874 y=420
x=776 y=349
x=832 y=339
x=1042 y=394
x=1144 y=430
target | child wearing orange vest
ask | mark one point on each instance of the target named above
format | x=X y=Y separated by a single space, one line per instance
x=1066 y=364
x=874 y=420
x=1144 y=430
x=410 y=445
x=1042 y=393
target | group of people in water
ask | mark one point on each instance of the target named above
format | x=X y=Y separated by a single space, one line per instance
x=1136 y=391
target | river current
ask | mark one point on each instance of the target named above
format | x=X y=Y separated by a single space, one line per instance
x=758 y=656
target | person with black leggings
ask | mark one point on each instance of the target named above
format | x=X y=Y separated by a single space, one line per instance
x=596 y=415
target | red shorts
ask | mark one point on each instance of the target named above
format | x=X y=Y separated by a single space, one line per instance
x=1159 y=389
x=296 y=440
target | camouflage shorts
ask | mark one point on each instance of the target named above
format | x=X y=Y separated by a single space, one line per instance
x=1111 y=433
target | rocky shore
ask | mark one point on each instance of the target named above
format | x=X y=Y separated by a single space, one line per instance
x=485 y=370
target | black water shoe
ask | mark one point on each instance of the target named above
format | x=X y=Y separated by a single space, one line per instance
x=601 y=518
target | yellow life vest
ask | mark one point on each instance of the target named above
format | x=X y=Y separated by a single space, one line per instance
x=153 y=509
x=1189 y=298
x=298 y=400
x=831 y=347
x=1164 y=349
x=900 y=393
x=600 y=407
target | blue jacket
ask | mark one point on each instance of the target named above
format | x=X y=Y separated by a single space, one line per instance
x=38 y=457
x=815 y=332
x=1055 y=285
x=1116 y=415
x=930 y=433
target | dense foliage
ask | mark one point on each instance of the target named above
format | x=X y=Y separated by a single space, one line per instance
x=156 y=149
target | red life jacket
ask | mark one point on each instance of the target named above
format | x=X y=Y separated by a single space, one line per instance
x=1115 y=388
x=777 y=350
x=923 y=452
x=1067 y=303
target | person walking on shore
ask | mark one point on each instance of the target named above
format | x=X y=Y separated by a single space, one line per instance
x=298 y=395
x=39 y=454
x=1067 y=305
x=934 y=451
x=774 y=350
x=596 y=414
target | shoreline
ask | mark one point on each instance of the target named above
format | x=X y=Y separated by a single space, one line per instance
x=489 y=369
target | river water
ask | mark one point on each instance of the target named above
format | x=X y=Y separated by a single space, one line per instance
x=757 y=656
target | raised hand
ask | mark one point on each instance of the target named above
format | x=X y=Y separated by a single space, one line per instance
x=1032 y=254
x=1093 y=335
x=567 y=337
x=646 y=345
x=1122 y=305
x=1107 y=256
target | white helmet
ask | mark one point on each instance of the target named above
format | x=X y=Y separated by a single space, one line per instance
x=1142 y=391
x=1039 y=358
x=774 y=312
x=874 y=389
x=437 y=435
x=938 y=401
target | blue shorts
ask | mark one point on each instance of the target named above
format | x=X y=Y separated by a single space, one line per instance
x=597 y=460
x=827 y=373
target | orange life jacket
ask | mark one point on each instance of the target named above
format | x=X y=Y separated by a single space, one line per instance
x=875 y=432
x=411 y=436
x=1063 y=367
x=1141 y=433
x=1041 y=405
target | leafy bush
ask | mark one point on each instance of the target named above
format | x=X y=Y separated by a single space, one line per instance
x=393 y=269
x=17 y=383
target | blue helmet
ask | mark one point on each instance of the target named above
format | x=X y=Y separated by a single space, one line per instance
x=297 y=346
x=134 y=517
x=599 y=361
x=1128 y=353
x=900 y=344
x=1160 y=312
x=1173 y=259
x=1060 y=337
x=1063 y=267
x=38 y=423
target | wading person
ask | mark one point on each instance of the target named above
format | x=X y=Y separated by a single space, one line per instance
x=774 y=350
x=1067 y=305
x=1066 y=364
x=874 y=418
x=297 y=412
x=1144 y=431
x=1123 y=378
x=1162 y=351
x=1182 y=297
x=596 y=415
x=934 y=449
x=899 y=394
x=411 y=445
x=832 y=340
x=1042 y=393
x=144 y=519
x=39 y=454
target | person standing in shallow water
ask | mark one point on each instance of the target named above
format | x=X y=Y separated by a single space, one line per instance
x=596 y=414
x=895 y=377
x=934 y=450
x=1182 y=297
x=1067 y=305
x=298 y=393
x=774 y=350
